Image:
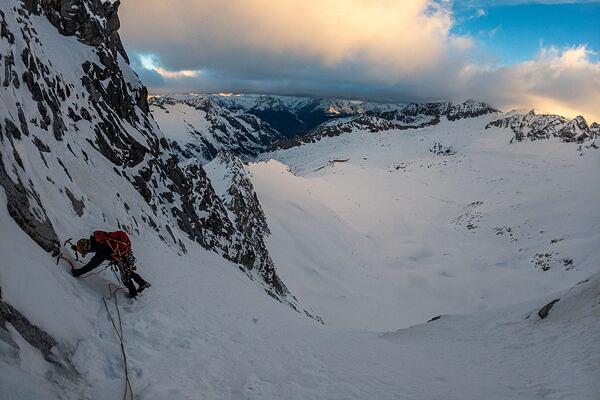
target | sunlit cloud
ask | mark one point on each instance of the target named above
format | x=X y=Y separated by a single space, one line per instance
x=151 y=63
x=564 y=81
x=403 y=36
x=371 y=49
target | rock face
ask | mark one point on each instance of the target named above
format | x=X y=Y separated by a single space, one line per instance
x=532 y=126
x=411 y=116
x=198 y=127
x=77 y=139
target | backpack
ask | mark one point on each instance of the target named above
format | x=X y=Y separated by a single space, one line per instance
x=117 y=241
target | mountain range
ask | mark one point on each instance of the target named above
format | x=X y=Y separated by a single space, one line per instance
x=200 y=125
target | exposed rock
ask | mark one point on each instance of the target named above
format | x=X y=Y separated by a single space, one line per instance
x=78 y=205
x=232 y=183
x=441 y=150
x=96 y=118
x=36 y=225
x=544 y=126
x=93 y=22
x=201 y=214
x=543 y=313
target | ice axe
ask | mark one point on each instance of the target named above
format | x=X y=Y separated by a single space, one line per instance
x=60 y=255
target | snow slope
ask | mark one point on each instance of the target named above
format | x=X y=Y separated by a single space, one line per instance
x=379 y=231
x=203 y=331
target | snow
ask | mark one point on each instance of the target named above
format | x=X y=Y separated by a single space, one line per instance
x=373 y=244
x=200 y=127
x=188 y=121
x=384 y=241
x=293 y=104
x=205 y=330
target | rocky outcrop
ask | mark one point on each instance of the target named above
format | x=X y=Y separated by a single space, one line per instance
x=201 y=213
x=543 y=312
x=532 y=126
x=233 y=185
x=93 y=22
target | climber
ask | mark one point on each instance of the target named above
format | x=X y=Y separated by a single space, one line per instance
x=114 y=247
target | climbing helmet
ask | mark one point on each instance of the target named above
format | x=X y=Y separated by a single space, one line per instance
x=83 y=246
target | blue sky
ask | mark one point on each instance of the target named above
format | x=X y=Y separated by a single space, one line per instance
x=515 y=33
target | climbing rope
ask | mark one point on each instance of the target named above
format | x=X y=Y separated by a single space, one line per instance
x=95 y=273
x=119 y=331
x=113 y=289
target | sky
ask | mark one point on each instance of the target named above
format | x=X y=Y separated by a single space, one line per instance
x=512 y=54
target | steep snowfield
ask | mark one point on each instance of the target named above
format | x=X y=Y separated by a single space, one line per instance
x=398 y=234
x=204 y=331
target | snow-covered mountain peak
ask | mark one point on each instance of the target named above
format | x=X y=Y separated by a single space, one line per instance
x=534 y=126
x=468 y=109
x=198 y=126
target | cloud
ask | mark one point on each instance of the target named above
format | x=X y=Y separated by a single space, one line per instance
x=564 y=81
x=151 y=62
x=373 y=49
x=385 y=37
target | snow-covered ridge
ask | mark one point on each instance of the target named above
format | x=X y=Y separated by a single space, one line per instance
x=232 y=184
x=79 y=146
x=198 y=127
x=289 y=115
x=249 y=124
x=249 y=102
x=412 y=116
x=532 y=126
